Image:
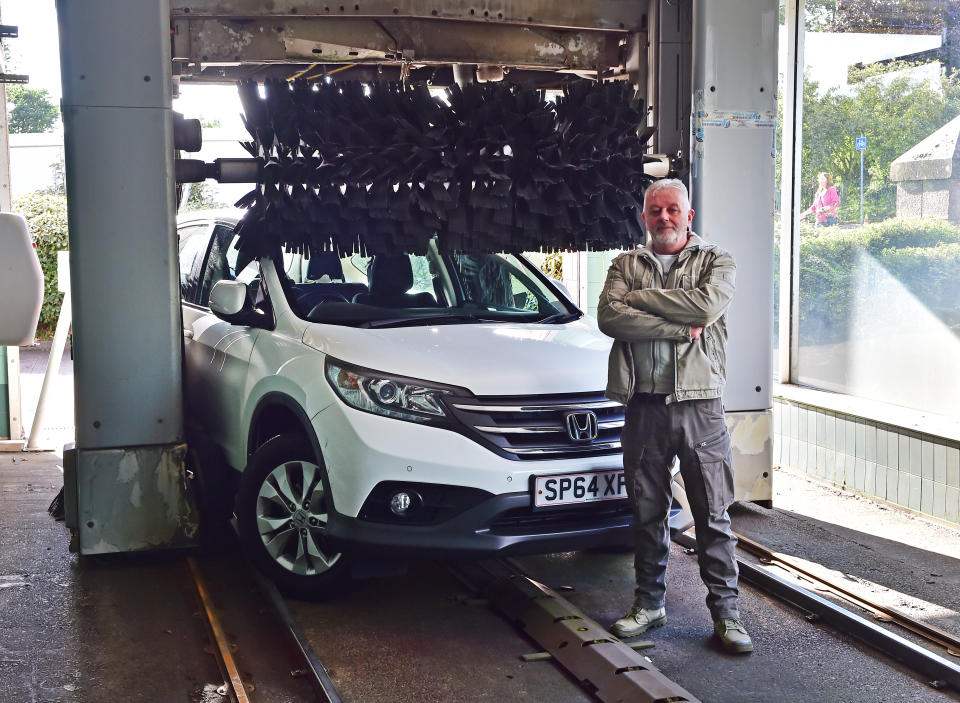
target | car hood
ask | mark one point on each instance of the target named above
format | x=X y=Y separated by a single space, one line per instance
x=485 y=358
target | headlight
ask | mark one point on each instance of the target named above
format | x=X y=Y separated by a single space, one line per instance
x=384 y=395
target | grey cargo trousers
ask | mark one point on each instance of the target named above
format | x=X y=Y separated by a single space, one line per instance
x=694 y=431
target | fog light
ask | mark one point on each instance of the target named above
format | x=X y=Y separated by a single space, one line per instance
x=400 y=503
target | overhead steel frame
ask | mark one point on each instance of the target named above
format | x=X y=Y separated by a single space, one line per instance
x=125 y=482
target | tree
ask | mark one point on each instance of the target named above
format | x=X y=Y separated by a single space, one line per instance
x=46 y=216
x=893 y=112
x=59 y=184
x=201 y=196
x=32 y=110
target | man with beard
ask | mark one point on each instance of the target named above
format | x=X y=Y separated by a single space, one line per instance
x=665 y=305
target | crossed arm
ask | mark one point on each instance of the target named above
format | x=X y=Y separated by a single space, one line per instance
x=675 y=314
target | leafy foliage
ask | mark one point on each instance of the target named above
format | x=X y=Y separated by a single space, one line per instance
x=59 y=184
x=922 y=254
x=33 y=111
x=552 y=266
x=884 y=16
x=201 y=196
x=46 y=215
x=893 y=113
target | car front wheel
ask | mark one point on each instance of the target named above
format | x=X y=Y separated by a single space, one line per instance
x=282 y=512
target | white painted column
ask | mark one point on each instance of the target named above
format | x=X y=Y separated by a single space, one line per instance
x=732 y=187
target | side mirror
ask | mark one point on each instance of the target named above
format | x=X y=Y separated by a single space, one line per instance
x=21 y=282
x=229 y=302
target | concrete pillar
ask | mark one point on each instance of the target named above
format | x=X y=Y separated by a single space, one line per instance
x=126 y=478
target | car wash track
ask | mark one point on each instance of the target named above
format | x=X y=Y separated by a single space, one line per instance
x=135 y=628
x=534 y=628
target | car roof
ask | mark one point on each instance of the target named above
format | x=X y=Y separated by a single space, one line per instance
x=224 y=215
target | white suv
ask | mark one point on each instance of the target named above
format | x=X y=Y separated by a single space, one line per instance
x=434 y=404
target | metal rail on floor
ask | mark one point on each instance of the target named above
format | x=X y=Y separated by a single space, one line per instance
x=235 y=687
x=225 y=660
x=603 y=664
x=929 y=632
x=320 y=678
x=940 y=670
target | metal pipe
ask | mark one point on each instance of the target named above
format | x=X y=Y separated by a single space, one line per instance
x=53 y=370
x=929 y=632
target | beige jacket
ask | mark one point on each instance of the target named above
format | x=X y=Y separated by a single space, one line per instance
x=638 y=307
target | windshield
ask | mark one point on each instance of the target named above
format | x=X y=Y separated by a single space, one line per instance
x=409 y=289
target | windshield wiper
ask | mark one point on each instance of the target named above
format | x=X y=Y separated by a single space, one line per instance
x=559 y=318
x=428 y=320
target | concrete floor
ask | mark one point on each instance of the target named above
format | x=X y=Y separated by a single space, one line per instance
x=126 y=627
x=93 y=629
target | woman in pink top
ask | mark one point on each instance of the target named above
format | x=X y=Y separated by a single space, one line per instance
x=825 y=202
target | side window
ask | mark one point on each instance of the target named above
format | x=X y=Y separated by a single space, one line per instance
x=191 y=248
x=221 y=263
x=422 y=276
x=492 y=281
x=250 y=271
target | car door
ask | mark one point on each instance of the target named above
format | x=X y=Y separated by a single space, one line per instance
x=217 y=353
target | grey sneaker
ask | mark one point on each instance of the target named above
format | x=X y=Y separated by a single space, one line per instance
x=639 y=620
x=733 y=635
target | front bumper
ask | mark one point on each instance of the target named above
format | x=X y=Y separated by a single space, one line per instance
x=360 y=450
x=501 y=525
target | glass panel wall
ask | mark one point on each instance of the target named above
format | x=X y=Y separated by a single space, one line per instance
x=879 y=236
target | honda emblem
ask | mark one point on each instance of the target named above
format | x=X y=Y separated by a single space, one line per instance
x=582 y=426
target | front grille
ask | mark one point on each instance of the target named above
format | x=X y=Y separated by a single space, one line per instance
x=522 y=521
x=536 y=427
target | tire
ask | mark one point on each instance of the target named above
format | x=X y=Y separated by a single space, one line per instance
x=282 y=521
x=212 y=488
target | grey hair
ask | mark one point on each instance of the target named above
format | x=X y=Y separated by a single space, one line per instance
x=672 y=183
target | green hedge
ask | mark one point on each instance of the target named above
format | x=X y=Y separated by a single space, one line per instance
x=921 y=254
x=46 y=216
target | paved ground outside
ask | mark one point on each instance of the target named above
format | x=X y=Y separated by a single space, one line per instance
x=58 y=427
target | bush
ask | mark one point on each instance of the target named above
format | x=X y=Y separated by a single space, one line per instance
x=922 y=254
x=46 y=215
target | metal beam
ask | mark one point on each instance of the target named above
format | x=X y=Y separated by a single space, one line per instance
x=598 y=14
x=221 y=40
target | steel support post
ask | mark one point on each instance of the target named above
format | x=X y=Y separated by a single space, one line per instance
x=790 y=205
x=732 y=183
x=128 y=480
x=11 y=424
x=668 y=75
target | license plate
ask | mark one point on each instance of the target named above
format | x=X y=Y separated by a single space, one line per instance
x=564 y=489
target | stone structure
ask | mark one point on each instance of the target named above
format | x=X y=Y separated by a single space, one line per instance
x=928 y=176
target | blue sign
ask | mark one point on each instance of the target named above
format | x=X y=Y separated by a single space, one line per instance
x=861 y=143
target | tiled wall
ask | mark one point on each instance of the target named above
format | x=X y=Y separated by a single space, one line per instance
x=917 y=471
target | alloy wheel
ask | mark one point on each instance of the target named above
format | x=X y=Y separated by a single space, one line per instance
x=291 y=513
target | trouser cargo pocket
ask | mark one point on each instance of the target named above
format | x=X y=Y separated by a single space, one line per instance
x=716 y=467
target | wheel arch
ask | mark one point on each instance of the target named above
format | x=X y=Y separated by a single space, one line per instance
x=277 y=413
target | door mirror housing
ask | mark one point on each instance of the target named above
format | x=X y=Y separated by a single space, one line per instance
x=229 y=302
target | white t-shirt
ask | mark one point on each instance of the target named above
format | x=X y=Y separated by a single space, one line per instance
x=666 y=261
